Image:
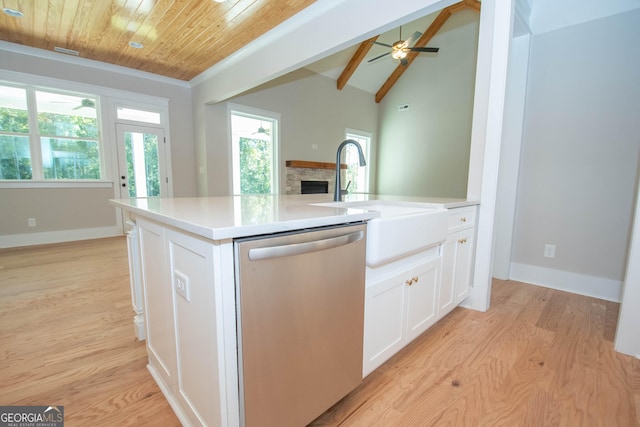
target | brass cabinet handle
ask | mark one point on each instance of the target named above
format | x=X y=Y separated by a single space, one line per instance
x=461 y=241
x=463 y=219
x=411 y=281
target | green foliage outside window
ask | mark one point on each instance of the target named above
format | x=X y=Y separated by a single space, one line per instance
x=52 y=124
x=68 y=143
x=150 y=161
x=13 y=120
x=15 y=157
x=255 y=166
x=69 y=158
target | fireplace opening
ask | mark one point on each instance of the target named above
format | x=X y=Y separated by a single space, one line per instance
x=314 y=187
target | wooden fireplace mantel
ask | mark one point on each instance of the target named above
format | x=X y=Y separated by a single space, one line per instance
x=312 y=165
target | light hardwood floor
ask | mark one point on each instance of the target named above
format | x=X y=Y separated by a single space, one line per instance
x=538 y=357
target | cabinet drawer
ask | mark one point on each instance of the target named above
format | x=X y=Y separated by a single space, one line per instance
x=461 y=218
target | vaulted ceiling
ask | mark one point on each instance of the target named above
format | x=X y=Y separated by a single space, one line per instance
x=381 y=74
x=181 y=39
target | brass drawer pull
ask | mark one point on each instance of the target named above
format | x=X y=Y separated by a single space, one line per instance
x=411 y=281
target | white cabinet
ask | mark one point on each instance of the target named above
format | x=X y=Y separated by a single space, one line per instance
x=457 y=259
x=191 y=269
x=398 y=308
x=158 y=300
x=183 y=328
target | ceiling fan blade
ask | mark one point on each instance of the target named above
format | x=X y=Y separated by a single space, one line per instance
x=380 y=56
x=414 y=38
x=424 y=49
x=383 y=44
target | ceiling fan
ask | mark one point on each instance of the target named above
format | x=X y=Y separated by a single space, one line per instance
x=401 y=48
x=88 y=103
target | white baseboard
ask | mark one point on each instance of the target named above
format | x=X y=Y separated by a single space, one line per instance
x=177 y=409
x=597 y=287
x=139 y=327
x=30 y=239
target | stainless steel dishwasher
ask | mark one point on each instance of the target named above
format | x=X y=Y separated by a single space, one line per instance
x=300 y=303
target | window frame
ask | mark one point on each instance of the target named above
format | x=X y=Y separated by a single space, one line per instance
x=110 y=98
x=368 y=136
x=258 y=114
x=34 y=135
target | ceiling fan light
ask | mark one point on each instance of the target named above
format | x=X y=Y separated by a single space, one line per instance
x=399 y=54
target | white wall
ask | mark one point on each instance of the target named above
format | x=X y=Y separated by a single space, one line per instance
x=510 y=155
x=628 y=332
x=72 y=213
x=580 y=156
x=108 y=76
x=550 y=15
x=424 y=150
x=312 y=112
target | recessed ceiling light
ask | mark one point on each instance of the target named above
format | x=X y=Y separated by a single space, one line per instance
x=67 y=51
x=13 y=12
x=136 y=45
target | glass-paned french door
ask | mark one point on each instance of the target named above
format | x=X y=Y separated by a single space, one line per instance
x=141 y=161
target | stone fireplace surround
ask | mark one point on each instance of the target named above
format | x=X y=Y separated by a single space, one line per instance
x=301 y=170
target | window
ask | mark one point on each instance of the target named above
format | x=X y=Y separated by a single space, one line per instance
x=48 y=135
x=254 y=140
x=136 y=115
x=15 y=154
x=357 y=175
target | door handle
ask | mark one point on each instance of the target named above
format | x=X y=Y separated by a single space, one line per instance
x=256 y=254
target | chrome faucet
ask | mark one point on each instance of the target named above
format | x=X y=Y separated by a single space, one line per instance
x=337 y=195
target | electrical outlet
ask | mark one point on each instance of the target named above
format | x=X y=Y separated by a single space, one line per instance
x=549 y=251
x=31 y=222
x=181 y=282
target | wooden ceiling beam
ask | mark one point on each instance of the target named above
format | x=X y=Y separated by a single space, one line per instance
x=435 y=26
x=355 y=61
x=472 y=4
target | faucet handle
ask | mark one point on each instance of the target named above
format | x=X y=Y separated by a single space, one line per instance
x=345 y=191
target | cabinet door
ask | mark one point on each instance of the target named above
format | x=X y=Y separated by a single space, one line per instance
x=421 y=298
x=158 y=298
x=464 y=260
x=384 y=310
x=446 y=296
x=191 y=267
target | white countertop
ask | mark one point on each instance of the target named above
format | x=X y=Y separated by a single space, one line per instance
x=220 y=218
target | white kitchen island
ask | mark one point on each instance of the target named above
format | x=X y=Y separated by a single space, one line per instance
x=186 y=262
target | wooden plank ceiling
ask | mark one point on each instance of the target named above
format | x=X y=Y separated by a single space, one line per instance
x=181 y=38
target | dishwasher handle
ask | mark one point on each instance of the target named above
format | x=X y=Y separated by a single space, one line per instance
x=257 y=254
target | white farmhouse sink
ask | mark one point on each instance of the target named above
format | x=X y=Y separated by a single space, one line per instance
x=401 y=228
